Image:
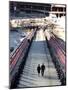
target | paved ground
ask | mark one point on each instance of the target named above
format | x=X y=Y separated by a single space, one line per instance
x=38 y=54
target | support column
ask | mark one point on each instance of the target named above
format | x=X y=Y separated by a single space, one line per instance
x=58 y=12
x=15 y=8
x=31 y=8
x=63 y=11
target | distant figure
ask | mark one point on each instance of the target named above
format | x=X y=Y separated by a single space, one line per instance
x=38 y=69
x=42 y=69
x=11 y=49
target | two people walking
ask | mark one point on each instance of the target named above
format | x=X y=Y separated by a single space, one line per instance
x=41 y=69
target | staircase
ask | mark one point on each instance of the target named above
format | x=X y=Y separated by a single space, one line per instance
x=38 y=54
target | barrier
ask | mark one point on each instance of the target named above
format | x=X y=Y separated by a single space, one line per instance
x=18 y=57
x=58 y=50
x=60 y=45
x=58 y=58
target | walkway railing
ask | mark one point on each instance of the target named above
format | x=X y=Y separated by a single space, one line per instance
x=17 y=56
x=59 y=58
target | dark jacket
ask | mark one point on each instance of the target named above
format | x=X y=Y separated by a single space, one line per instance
x=43 y=67
x=38 y=69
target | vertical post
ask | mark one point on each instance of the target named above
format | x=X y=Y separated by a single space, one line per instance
x=14 y=10
x=63 y=11
x=51 y=9
x=57 y=12
x=44 y=11
x=31 y=9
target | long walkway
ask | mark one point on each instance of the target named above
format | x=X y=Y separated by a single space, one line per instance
x=38 y=54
